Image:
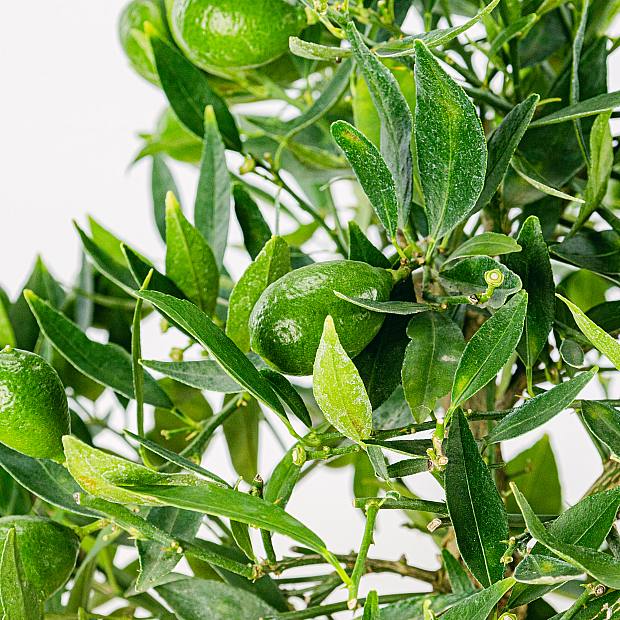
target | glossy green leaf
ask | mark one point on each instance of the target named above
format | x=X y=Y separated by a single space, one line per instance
x=414 y=606
x=361 y=249
x=271 y=264
x=224 y=350
x=540 y=409
x=256 y=231
x=408 y=467
x=604 y=423
x=213 y=195
x=395 y=117
x=600 y=339
x=372 y=173
x=371 y=607
x=403 y=308
x=489 y=349
x=475 y=506
x=598 y=251
x=18 y=598
x=480 y=604
x=533 y=266
x=7 y=334
x=430 y=361
x=282 y=481
x=535 y=471
x=502 y=147
x=241 y=431
x=162 y=182
x=140 y=269
x=203 y=375
x=458 y=578
x=338 y=388
x=316 y=51
x=606 y=315
x=157 y=561
x=288 y=394
x=588 y=107
x=451 y=148
x=107 y=364
x=189 y=93
x=467 y=276
x=486 y=244
x=541 y=569
x=201 y=599
x=601 y=566
x=532 y=177
x=599 y=168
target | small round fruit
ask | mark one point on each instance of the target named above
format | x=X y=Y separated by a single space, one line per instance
x=135 y=41
x=234 y=34
x=34 y=414
x=287 y=321
x=47 y=550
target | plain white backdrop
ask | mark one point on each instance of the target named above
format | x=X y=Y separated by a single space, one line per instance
x=70 y=110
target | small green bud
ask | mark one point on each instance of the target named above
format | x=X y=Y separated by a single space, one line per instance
x=494 y=278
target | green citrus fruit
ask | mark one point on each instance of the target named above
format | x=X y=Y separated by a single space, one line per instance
x=287 y=321
x=234 y=33
x=134 y=40
x=47 y=550
x=34 y=414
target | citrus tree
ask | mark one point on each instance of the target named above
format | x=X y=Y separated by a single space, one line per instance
x=429 y=211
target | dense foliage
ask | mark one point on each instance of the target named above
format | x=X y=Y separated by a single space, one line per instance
x=463 y=294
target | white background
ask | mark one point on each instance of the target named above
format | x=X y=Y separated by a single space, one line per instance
x=70 y=110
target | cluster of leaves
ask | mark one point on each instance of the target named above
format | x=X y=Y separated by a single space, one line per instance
x=488 y=173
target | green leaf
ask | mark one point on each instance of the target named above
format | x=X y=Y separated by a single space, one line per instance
x=408 y=467
x=162 y=182
x=403 y=308
x=282 y=480
x=541 y=569
x=242 y=436
x=46 y=479
x=201 y=599
x=502 y=147
x=451 y=147
x=372 y=173
x=222 y=348
x=107 y=364
x=540 y=409
x=430 y=361
x=140 y=269
x=601 y=566
x=394 y=114
x=468 y=277
x=361 y=249
x=156 y=561
x=189 y=93
x=489 y=349
x=480 y=604
x=474 y=504
x=288 y=394
x=7 y=334
x=599 y=168
x=536 y=473
x=271 y=264
x=18 y=597
x=316 y=51
x=486 y=244
x=589 y=107
x=529 y=174
x=459 y=581
x=371 y=607
x=256 y=231
x=604 y=423
x=203 y=375
x=338 y=388
x=597 y=251
x=212 y=205
x=600 y=339
x=533 y=266
x=378 y=462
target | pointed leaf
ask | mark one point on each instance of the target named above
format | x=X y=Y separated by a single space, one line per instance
x=403 y=308
x=489 y=349
x=475 y=506
x=480 y=604
x=486 y=244
x=459 y=581
x=241 y=431
x=162 y=182
x=371 y=607
x=338 y=388
x=372 y=173
x=604 y=423
x=256 y=231
x=212 y=206
x=222 y=348
x=452 y=153
x=107 y=364
x=140 y=269
x=541 y=569
x=588 y=107
x=288 y=394
x=202 y=374
x=361 y=249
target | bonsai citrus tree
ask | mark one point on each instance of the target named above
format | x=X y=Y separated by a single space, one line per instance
x=463 y=294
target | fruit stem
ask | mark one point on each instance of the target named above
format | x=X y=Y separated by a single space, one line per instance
x=403 y=272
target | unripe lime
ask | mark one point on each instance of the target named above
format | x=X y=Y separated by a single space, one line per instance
x=234 y=33
x=135 y=41
x=34 y=414
x=47 y=551
x=287 y=321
